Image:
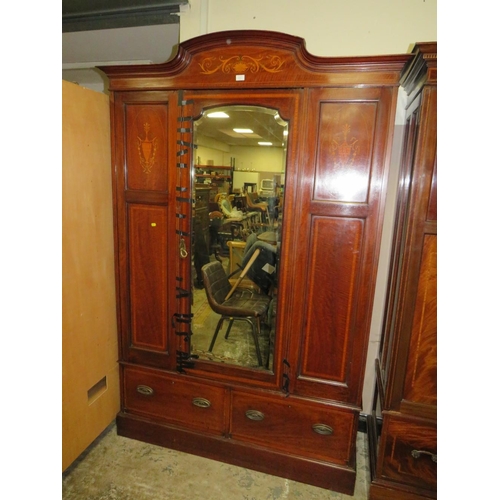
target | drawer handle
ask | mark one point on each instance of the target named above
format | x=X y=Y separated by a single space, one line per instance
x=254 y=415
x=323 y=429
x=145 y=390
x=201 y=402
x=419 y=453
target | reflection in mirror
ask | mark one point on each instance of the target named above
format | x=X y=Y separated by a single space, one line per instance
x=238 y=187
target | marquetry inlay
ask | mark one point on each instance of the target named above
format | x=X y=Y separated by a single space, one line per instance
x=345 y=152
x=242 y=64
x=147 y=150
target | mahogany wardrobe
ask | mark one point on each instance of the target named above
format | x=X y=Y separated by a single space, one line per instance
x=403 y=425
x=296 y=413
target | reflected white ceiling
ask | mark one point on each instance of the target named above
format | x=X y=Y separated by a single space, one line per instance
x=265 y=124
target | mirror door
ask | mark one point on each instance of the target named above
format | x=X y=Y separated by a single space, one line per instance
x=239 y=172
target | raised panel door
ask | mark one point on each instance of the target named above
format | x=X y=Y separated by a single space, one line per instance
x=144 y=158
x=339 y=208
x=146 y=146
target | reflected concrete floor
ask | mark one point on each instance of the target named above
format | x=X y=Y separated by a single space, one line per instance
x=239 y=347
x=119 y=468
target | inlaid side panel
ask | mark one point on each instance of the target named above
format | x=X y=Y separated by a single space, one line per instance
x=344 y=151
x=334 y=252
x=148 y=276
x=421 y=375
x=146 y=146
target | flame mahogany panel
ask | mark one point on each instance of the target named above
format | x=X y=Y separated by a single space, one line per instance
x=146 y=146
x=421 y=375
x=407 y=446
x=148 y=276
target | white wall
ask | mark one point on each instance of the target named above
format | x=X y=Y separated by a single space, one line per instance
x=265 y=159
x=262 y=158
x=329 y=27
x=335 y=28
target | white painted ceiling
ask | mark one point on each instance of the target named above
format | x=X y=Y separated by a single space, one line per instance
x=82 y=51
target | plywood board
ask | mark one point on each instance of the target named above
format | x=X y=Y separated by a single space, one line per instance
x=89 y=338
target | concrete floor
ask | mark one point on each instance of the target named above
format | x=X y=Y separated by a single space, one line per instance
x=119 y=468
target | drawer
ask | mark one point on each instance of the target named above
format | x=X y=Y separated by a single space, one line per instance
x=174 y=399
x=294 y=426
x=409 y=451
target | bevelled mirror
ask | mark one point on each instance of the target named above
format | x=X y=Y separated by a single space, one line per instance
x=238 y=177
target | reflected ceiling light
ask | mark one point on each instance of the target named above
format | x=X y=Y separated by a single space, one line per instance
x=243 y=130
x=265 y=143
x=218 y=114
x=285 y=132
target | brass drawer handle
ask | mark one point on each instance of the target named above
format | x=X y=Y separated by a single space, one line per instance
x=323 y=429
x=201 y=402
x=145 y=390
x=254 y=415
x=419 y=453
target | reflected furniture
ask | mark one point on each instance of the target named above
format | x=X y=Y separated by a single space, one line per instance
x=242 y=304
x=259 y=206
x=236 y=252
x=219 y=176
x=297 y=416
x=216 y=219
x=224 y=204
x=262 y=268
x=402 y=427
x=236 y=224
x=201 y=224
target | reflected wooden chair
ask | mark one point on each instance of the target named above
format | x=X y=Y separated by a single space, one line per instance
x=242 y=304
x=260 y=206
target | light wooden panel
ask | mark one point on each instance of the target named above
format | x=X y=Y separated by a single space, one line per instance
x=89 y=337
